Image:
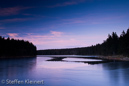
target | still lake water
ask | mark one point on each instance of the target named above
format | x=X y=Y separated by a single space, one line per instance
x=59 y=73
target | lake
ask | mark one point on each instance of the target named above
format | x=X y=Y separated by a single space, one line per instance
x=72 y=71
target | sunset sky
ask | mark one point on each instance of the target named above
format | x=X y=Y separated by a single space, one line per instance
x=57 y=24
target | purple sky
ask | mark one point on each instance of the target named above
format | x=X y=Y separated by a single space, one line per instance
x=56 y=24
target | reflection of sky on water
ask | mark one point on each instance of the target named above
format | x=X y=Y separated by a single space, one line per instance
x=11 y=68
x=117 y=72
x=57 y=64
x=106 y=74
x=58 y=73
x=80 y=59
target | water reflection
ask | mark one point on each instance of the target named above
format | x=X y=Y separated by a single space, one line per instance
x=65 y=73
x=117 y=72
x=116 y=65
x=81 y=59
x=11 y=68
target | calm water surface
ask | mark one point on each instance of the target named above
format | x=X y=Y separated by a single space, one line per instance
x=59 y=73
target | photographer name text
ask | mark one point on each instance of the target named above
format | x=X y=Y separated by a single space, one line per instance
x=17 y=81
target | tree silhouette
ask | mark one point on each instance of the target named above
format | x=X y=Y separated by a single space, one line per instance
x=113 y=45
x=11 y=47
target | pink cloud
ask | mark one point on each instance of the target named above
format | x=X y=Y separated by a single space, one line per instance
x=74 y=21
x=56 y=33
x=72 y=2
x=13 y=35
x=52 y=40
x=11 y=10
x=15 y=19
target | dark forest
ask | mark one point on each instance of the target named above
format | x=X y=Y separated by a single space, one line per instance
x=12 y=47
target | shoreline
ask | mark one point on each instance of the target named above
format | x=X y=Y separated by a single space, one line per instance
x=110 y=58
x=115 y=58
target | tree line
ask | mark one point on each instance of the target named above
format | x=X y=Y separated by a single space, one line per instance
x=12 y=47
x=113 y=45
